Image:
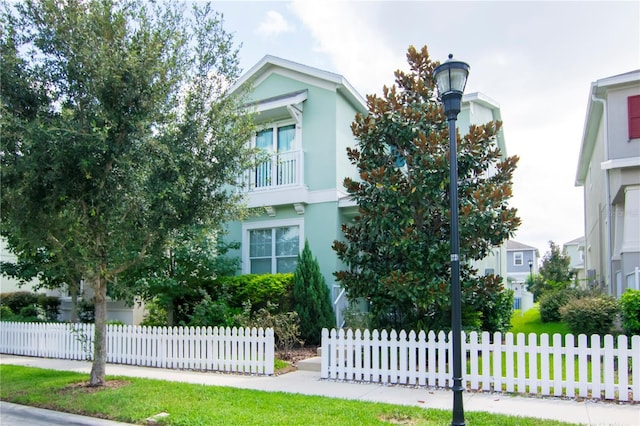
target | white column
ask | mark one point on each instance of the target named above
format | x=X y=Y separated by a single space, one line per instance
x=631 y=238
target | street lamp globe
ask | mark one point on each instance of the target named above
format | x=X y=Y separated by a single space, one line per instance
x=451 y=79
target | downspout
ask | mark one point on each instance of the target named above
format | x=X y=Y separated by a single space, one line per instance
x=607 y=195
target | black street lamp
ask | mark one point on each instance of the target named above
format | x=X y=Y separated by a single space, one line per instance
x=451 y=77
x=530 y=271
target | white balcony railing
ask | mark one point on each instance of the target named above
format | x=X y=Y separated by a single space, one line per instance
x=282 y=169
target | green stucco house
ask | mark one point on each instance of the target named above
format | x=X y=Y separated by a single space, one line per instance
x=304 y=116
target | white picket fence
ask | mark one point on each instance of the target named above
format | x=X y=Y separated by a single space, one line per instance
x=239 y=350
x=594 y=368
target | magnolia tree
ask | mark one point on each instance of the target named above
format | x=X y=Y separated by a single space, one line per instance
x=117 y=130
x=397 y=250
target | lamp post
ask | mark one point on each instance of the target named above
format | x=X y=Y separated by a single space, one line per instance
x=451 y=77
x=530 y=271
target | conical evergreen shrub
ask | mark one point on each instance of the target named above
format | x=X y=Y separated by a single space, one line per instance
x=311 y=298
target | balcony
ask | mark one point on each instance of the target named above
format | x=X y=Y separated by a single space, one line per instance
x=283 y=169
x=277 y=181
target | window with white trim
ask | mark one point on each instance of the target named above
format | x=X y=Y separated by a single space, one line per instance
x=518 y=258
x=279 y=140
x=272 y=247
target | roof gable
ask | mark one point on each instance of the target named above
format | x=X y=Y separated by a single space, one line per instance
x=269 y=65
x=514 y=245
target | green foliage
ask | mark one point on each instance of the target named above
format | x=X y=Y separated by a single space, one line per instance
x=50 y=305
x=31 y=313
x=630 y=310
x=18 y=300
x=27 y=306
x=552 y=301
x=311 y=298
x=155 y=315
x=397 y=250
x=355 y=318
x=86 y=311
x=6 y=314
x=214 y=313
x=590 y=315
x=118 y=128
x=555 y=268
x=187 y=270
x=286 y=327
x=536 y=285
x=259 y=289
x=496 y=313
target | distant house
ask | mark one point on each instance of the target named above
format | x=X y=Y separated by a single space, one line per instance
x=574 y=249
x=609 y=173
x=522 y=263
x=10 y=285
x=304 y=116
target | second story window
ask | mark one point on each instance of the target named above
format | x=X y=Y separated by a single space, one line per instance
x=281 y=167
x=518 y=258
x=633 y=103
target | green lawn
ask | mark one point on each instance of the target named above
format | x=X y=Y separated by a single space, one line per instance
x=187 y=404
x=530 y=322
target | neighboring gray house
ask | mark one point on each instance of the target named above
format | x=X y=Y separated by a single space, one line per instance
x=609 y=172
x=574 y=249
x=522 y=262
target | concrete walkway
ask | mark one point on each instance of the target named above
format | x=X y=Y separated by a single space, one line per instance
x=309 y=383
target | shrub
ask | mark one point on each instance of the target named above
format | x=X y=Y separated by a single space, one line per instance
x=6 y=314
x=551 y=302
x=311 y=298
x=260 y=290
x=496 y=316
x=51 y=306
x=155 y=315
x=215 y=313
x=630 y=310
x=86 y=311
x=590 y=315
x=356 y=318
x=286 y=327
x=18 y=300
x=30 y=314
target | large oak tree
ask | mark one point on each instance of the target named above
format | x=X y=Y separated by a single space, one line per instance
x=397 y=249
x=117 y=130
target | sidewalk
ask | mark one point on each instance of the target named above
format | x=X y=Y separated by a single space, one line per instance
x=309 y=383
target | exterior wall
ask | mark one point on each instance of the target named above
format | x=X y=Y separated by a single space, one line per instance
x=9 y=285
x=595 y=214
x=620 y=146
x=609 y=170
x=345 y=115
x=521 y=272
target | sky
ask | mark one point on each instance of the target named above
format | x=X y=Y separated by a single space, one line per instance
x=536 y=59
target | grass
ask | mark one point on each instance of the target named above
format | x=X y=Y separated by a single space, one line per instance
x=187 y=404
x=530 y=322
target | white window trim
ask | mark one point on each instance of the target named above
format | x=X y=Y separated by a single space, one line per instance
x=278 y=223
x=275 y=125
x=515 y=256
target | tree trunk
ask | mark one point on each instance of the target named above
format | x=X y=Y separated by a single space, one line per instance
x=100 y=337
x=73 y=290
x=170 y=313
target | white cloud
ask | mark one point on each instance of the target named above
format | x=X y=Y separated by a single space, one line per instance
x=273 y=24
x=358 y=50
